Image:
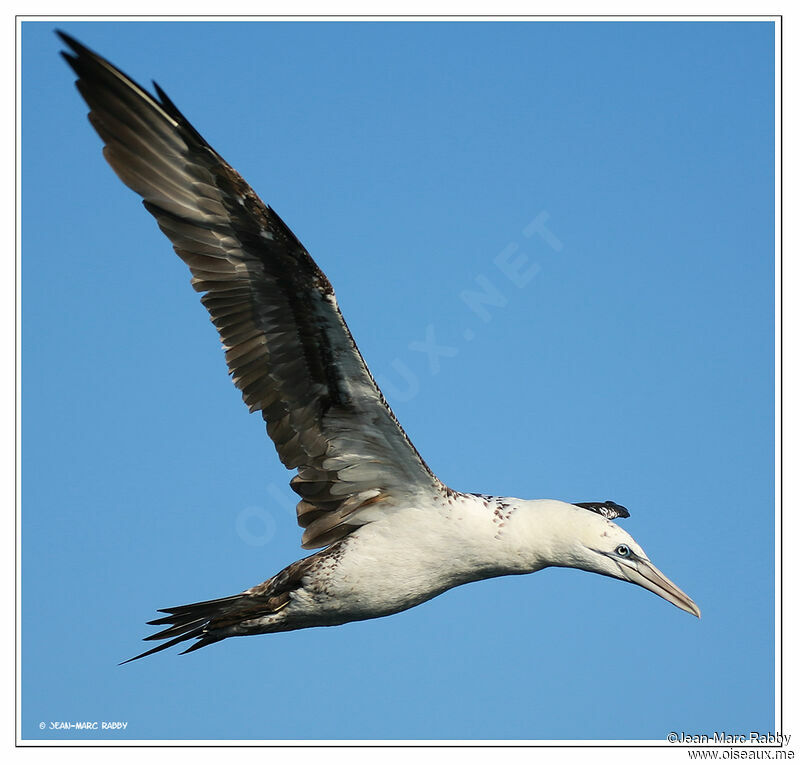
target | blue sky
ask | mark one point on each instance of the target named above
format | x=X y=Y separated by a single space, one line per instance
x=627 y=167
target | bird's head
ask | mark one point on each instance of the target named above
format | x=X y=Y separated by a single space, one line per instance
x=583 y=535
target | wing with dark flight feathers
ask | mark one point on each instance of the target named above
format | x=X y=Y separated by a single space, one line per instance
x=286 y=344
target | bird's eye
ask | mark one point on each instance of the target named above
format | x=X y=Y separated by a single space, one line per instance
x=623 y=551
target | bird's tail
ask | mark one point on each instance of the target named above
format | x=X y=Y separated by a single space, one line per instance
x=214 y=620
x=207 y=622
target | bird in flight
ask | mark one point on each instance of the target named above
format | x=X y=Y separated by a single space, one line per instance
x=392 y=535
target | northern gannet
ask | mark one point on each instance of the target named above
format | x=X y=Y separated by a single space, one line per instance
x=393 y=535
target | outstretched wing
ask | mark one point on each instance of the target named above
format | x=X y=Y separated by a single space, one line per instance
x=286 y=344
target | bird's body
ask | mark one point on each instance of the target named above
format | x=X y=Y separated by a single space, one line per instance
x=409 y=557
x=393 y=535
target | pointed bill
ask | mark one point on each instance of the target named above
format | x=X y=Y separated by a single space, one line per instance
x=646 y=575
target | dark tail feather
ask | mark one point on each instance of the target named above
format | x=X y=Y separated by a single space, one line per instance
x=200 y=621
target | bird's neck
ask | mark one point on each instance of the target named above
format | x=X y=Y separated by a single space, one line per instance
x=539 y=533
x=493 y=536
